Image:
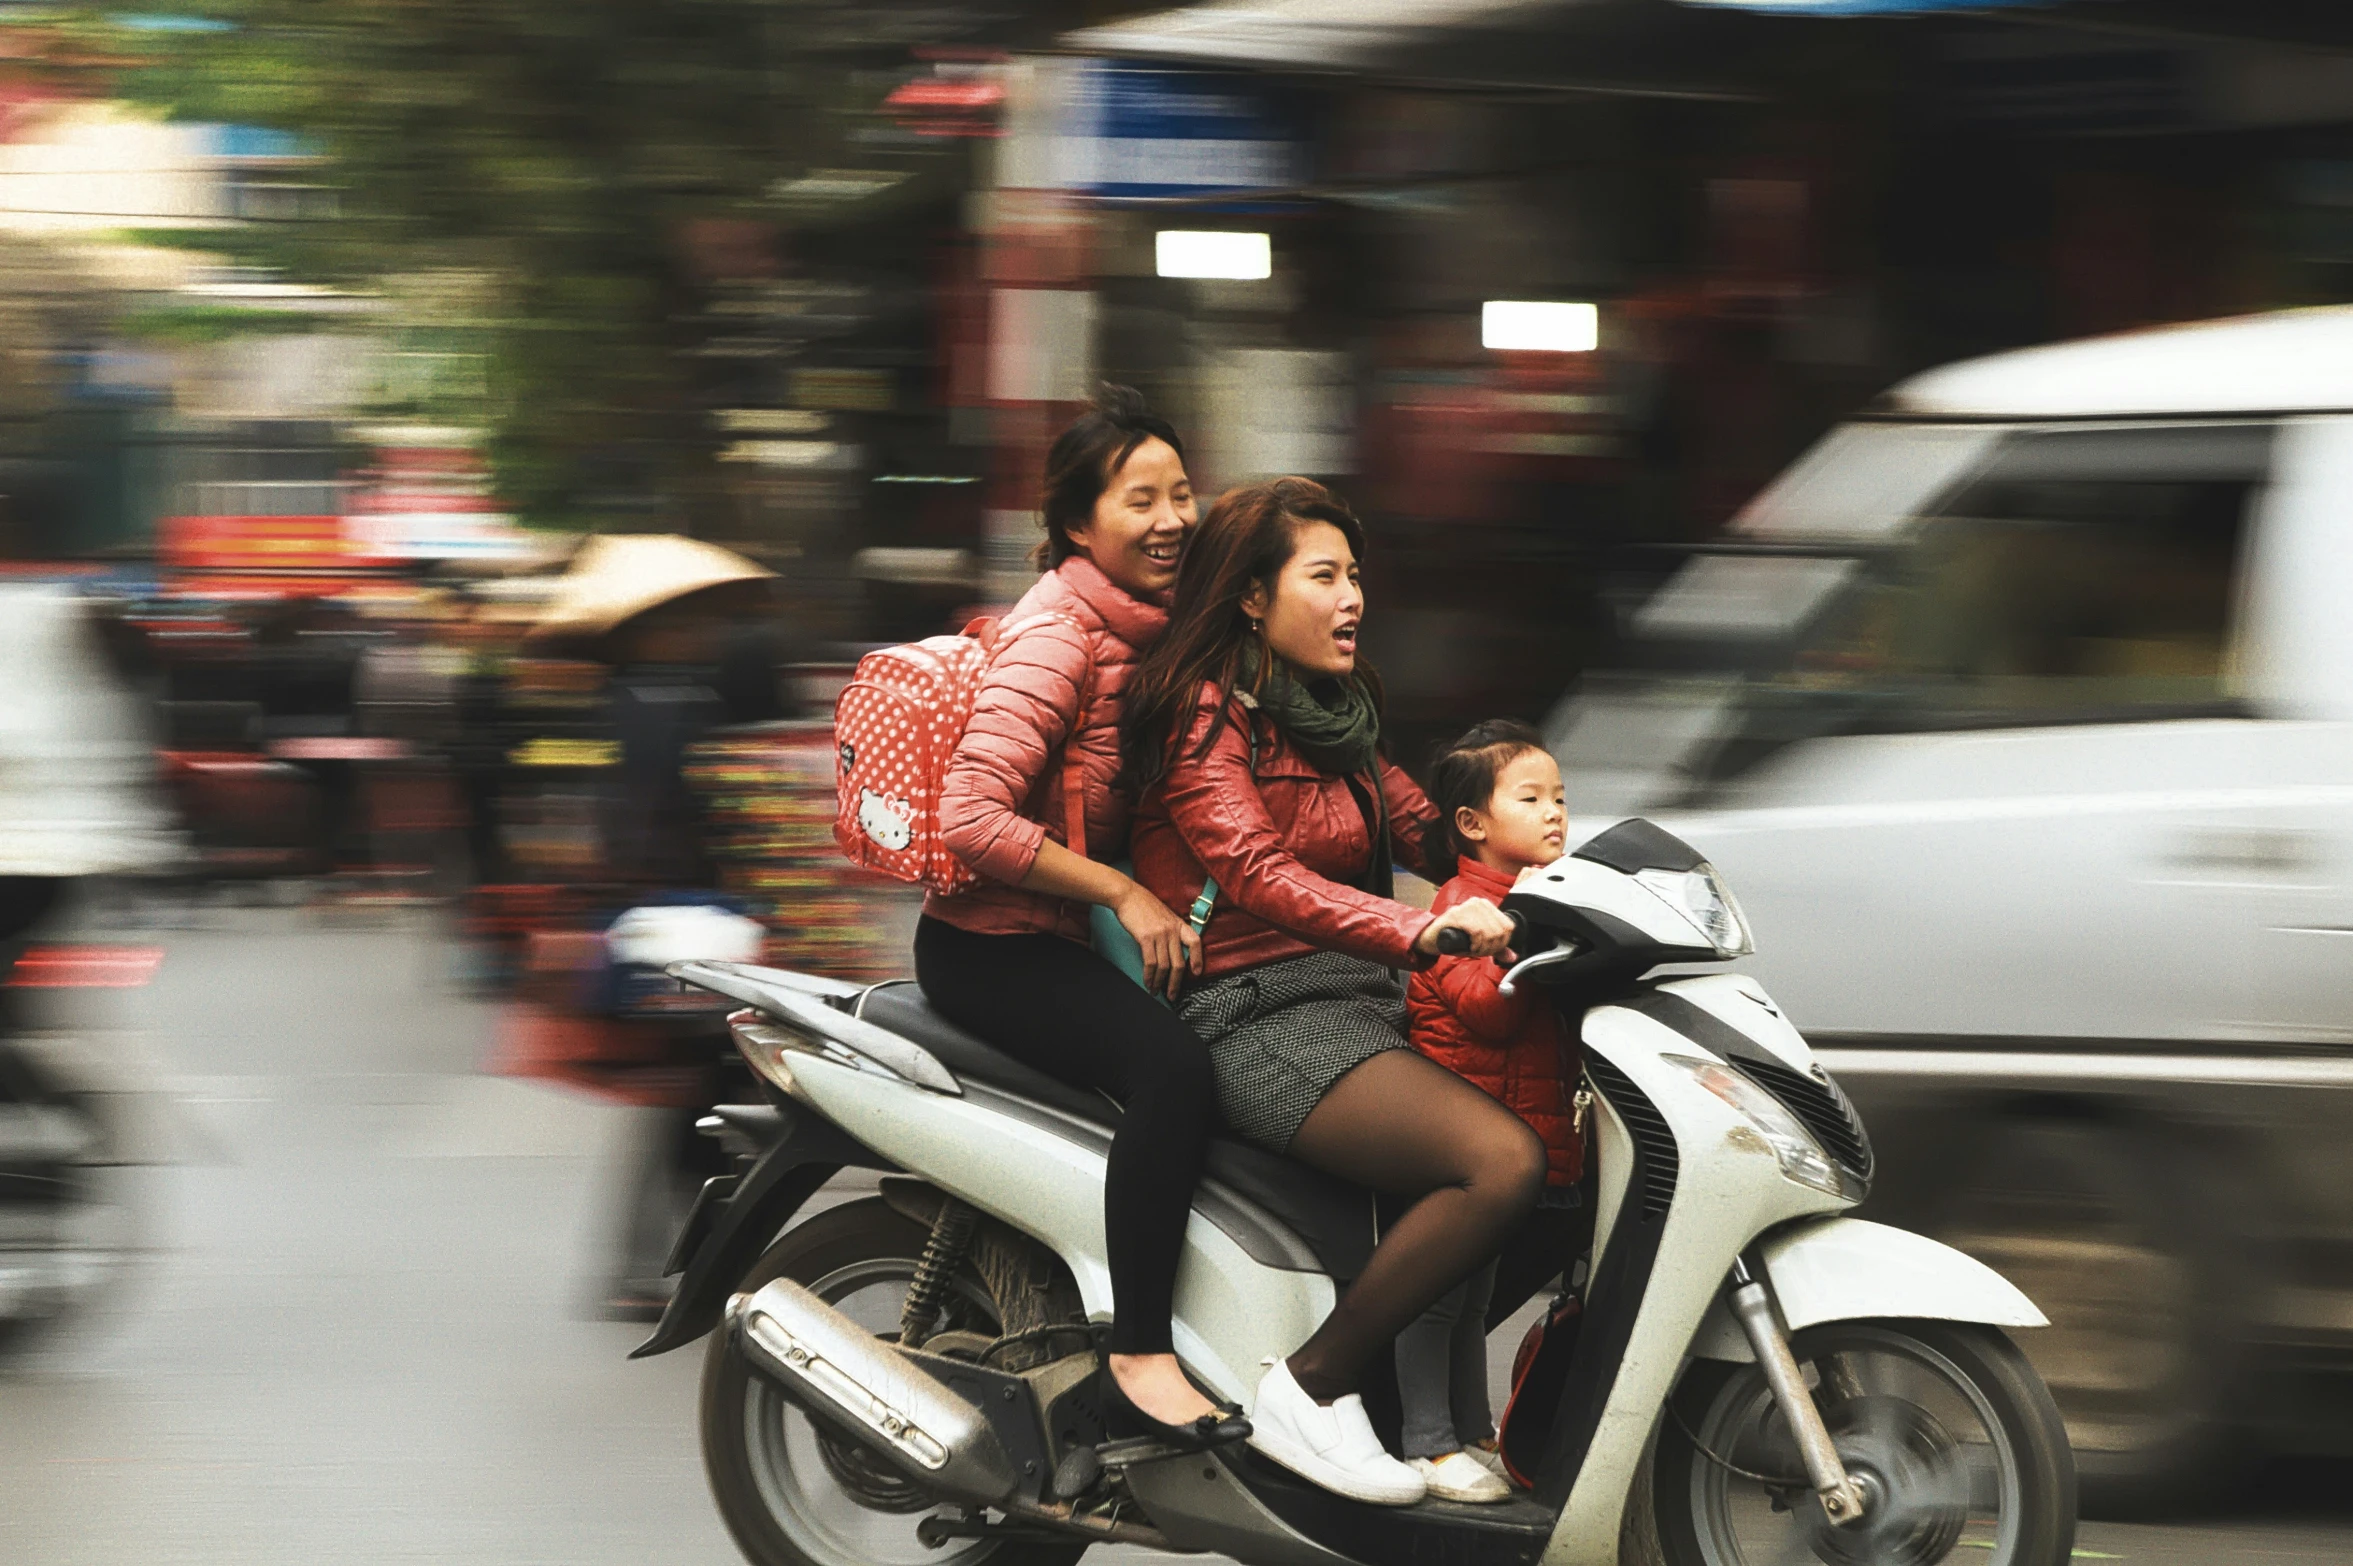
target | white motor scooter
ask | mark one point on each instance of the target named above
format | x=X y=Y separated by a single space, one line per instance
x=909 y=1378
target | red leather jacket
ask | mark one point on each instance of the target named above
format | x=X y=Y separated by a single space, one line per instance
x=1284 y=841
x=1512 y=1045
x=1002 y=795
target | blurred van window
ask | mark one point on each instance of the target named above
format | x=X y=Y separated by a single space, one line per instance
x=2079 y=575
x=1863 y=481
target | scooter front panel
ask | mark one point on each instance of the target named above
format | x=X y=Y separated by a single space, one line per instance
x=1740 y=1003
x=1667 y=1254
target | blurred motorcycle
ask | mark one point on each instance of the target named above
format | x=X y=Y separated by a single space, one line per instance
x=77 y=803
x=68 y=1221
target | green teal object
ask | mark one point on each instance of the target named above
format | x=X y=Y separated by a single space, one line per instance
x=1115 y=946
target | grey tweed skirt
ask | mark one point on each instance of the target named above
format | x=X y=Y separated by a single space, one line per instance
x=1282 y=1033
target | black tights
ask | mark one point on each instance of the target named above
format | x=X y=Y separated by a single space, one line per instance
x=1054 y=1005
x=1406 y=1127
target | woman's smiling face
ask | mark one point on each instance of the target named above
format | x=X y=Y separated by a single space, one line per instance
x=1316 y=603
x=1136 y=533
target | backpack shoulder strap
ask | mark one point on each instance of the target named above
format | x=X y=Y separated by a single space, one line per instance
x=993 y=633
x=1074 y=793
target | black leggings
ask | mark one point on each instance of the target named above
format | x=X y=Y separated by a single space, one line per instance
x=1408 y=1127
x=1054 y=1005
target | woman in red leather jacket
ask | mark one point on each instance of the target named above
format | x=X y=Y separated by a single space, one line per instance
x=1257 y=728
x=1009 y=958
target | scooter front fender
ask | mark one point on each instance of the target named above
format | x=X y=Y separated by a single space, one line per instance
x=1848 y=1269
x=805 y=1153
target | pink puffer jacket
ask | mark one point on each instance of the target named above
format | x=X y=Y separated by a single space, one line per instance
x=1002 y=796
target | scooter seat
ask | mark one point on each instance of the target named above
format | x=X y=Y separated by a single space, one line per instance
x=1334 y=1218
x=901 y=1006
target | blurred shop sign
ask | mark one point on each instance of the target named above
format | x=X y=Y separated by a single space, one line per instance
x=427 y=496
x=440 y=535
x=843 y=391
x=338 y=543
x=958 y=98
x=256 y=544
x=1116 y=129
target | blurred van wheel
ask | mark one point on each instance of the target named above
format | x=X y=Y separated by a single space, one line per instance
x=2111 y=1231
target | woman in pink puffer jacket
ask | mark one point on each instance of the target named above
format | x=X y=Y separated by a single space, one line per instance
x=1009 y=959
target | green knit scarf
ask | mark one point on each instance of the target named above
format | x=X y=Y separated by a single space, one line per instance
x=1330 y=719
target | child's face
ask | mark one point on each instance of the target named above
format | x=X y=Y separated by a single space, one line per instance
x=1525 y=819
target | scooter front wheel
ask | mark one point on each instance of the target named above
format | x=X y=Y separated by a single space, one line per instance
x=1950 y=1434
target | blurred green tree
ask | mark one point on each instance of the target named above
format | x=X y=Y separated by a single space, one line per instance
x=599 y=170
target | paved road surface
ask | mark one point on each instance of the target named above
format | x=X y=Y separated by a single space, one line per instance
x=361 y=1336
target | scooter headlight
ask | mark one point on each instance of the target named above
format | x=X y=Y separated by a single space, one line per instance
x=1701 y=896
x=1794 y=1148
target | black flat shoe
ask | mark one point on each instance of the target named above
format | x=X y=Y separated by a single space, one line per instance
x=1123 y=1421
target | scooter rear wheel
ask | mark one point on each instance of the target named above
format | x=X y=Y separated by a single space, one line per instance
x=1954 y=1439
x=795 y=1496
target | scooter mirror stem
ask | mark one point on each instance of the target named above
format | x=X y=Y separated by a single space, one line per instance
x=1842 y=1499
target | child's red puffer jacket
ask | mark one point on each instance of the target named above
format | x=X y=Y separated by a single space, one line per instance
x=1514 y=1046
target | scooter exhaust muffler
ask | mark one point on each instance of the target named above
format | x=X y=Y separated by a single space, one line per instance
x=866 y=1389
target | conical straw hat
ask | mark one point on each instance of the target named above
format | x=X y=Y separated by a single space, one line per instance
x=618 y=576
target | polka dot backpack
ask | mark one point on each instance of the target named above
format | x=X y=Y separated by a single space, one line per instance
x=894 y=727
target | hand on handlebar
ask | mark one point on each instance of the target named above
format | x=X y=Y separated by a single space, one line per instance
x=1476 y=928
x=1171 y=946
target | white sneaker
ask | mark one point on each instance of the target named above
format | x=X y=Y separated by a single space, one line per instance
x=1491 y=1461
x=1334 y=1447
x=1460 y=1476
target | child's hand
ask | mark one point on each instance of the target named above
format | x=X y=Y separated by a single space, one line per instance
x=1525 y=872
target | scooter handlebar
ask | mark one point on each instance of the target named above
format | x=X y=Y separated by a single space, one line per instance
x=1457 y=943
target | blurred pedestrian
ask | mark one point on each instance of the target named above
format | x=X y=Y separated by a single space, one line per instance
x=679 y=626
x=76 y=771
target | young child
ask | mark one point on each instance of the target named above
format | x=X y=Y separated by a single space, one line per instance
x=1501 y=815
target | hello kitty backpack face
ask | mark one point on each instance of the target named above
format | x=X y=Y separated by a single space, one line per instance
x=894 y=727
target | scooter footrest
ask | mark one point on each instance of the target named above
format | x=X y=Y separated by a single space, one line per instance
x=1136 y=1449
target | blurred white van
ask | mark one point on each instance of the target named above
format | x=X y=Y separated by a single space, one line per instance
x=2020 y=714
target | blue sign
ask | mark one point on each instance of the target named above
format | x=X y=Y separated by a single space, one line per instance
x=1149 y=131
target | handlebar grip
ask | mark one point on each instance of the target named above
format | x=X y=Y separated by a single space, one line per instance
x=1453 y=942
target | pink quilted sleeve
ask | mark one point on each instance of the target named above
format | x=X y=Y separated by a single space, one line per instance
x=1024 y=709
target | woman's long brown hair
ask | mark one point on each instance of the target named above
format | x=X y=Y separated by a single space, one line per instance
x=1245 y=541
